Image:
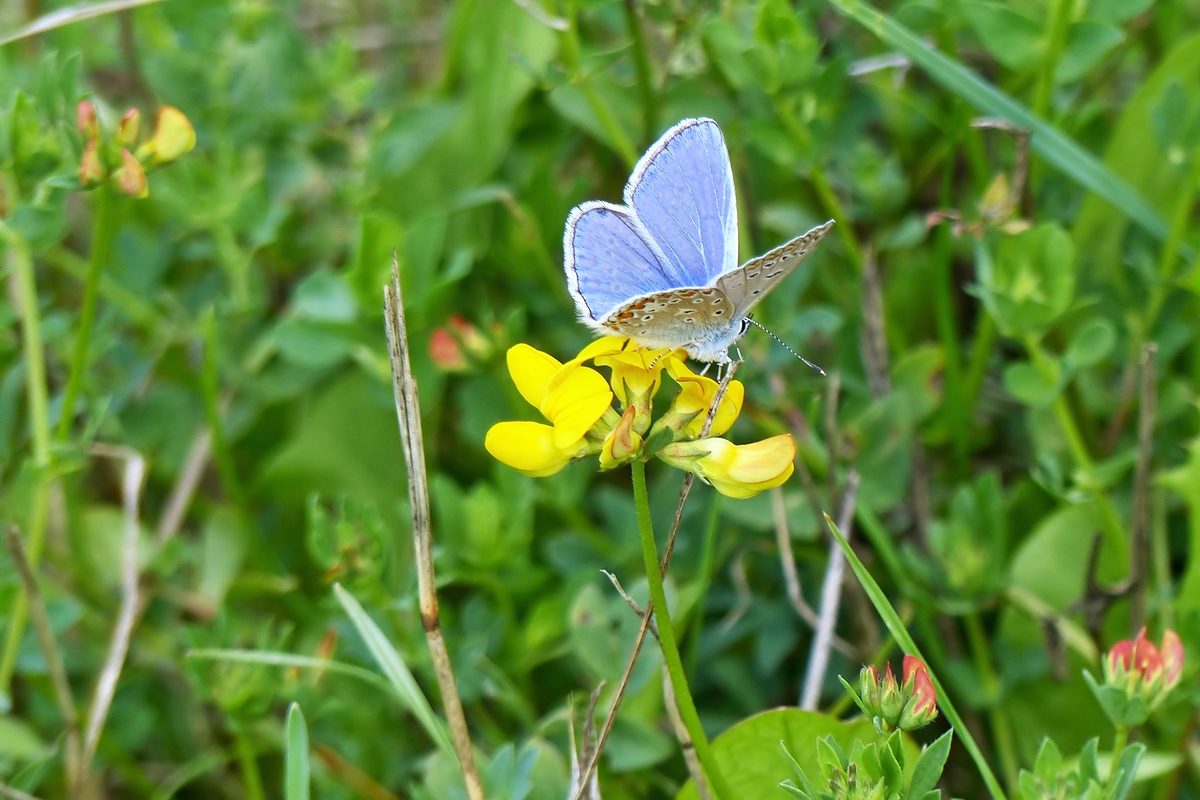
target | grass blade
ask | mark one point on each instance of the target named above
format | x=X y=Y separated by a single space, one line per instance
x=277 y=659
x=892 y=620
x=71 y=14
x=1046 y=140
x=397 y=673
x=296 y=772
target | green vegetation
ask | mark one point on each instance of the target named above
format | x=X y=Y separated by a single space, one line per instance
x=206 y=497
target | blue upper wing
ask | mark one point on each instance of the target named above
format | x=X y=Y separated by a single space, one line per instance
x=609 y=259
x=682 y=192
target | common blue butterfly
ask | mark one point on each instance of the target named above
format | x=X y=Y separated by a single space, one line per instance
x=662 y=268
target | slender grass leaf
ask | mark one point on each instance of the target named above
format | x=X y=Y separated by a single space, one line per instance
x=188 y=772
x=1046 y=140
x=66 y=16
x=276 y=659
x=894 y=624
x=297 y=767
x=397 y=673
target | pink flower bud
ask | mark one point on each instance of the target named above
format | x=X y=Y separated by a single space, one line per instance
x=921 y=708
x=91 y=171
x=1146 y=658
x=131 y=178
x=445 y=351
x=85 y=120
x=1119 y=661
x=127 y=130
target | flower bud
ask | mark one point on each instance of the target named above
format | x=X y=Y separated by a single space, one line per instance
x=1137 y=669
x=85 y=120
x=891 y=700
x=1172 y=655
x=91 y=171
x=868 y=688
x=173 y=136
x=921 y=707
x=445 y=351
x=622 y=443
x=131 y=178
x=737 y=471
x=1119 y=662
x=127 y=130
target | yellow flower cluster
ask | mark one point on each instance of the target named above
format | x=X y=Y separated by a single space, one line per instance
x=578 y=402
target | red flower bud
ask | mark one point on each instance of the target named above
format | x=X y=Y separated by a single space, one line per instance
x=131 y=178
x=85 y=120
x=127 y=130
x=1119 y=661
x=1146 y=658
x=91 y=171
x=445 y=351
x=921 y=708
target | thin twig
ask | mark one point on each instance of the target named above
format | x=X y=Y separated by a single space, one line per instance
x=1096 y=598
x=629 y=601
x=408 y=412
x=1139 y=546
x=832 y=439
x=741 y=585
x=110 y=673
x=185 y=486
x=584 y=753
x=831 y=593
x=791 y=578
x=685 y=738
x=684 y=491
x=54 y=665
x=874 y=338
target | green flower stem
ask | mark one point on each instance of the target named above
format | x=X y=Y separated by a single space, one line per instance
x=641 y=64
x=666 y=635
x=248 y=762
x=707 y=556
x=102 y=244
x=21 y=262
x=1119 y=740
x=1002 y=733
x=1058 y=24
x=981 y=353
x=1075 y=443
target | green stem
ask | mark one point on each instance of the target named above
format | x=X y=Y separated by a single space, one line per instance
x=212 y=409
x=707 y=556
x=102 y=244
x=1169 y=255
x=1058 y=24
x=21 y=261
x=1119 y=740
x=943 y=305
x=981 y=352
x=1002 y=733
x=1077 y=447
x=641 y=65
x=248 y=762
x=666 y=634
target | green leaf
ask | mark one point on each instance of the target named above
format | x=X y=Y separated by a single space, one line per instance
x=394 y=668
x=1049 y=762
x=1013 y=39
x=1089 y=770
x=1029 y=282
x=296 y=770
x=1092 y=343
x=1087 y=44
x=1046 y=140
x=1127 y=766
x=929 y=767
x=900 y=633
x=277 y=659
x=1025 y=383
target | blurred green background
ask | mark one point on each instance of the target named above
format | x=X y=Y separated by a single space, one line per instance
x=990 y=390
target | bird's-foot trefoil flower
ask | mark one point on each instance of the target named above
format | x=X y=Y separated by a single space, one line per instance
x=892 y=705
x=578 y=403
x=1138 y=677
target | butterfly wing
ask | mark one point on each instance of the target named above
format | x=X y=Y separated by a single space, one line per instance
x=674 y=318
x=682 y=191
x=751 y=282
x=609 y=258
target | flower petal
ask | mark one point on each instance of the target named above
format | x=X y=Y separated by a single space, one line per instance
x=532 y=371
x=578 y=397
x=528 y=447
x=601 y=347
x=737 y=471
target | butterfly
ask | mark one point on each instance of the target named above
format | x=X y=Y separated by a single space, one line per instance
x=662 y=268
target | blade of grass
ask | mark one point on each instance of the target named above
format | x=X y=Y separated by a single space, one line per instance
x=276 y=659
x=397 y=673
x=66 y=16
x=1049 y=142
x=894 y=625
x=297 y=768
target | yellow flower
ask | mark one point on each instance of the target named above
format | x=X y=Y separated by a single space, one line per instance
x=173 y=136
x=131 y=178
x=696 y=394
x=572 y=397
x=735 y=470
x=636 y=376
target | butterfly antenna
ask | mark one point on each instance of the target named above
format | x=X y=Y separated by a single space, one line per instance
x=785 y=345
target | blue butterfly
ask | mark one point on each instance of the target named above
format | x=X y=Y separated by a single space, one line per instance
x=662 y=269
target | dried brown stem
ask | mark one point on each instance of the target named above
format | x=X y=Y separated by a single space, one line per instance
x=832 y=439
x=118 y=648
x=54 y=665
x=831 y=593
x=1139 y=547
x=185 y=486
x=684 y=491
x=741 y=585
x=629 y=601
x=408 y=412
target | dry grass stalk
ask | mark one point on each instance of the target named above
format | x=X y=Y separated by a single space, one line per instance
x=408 y=412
